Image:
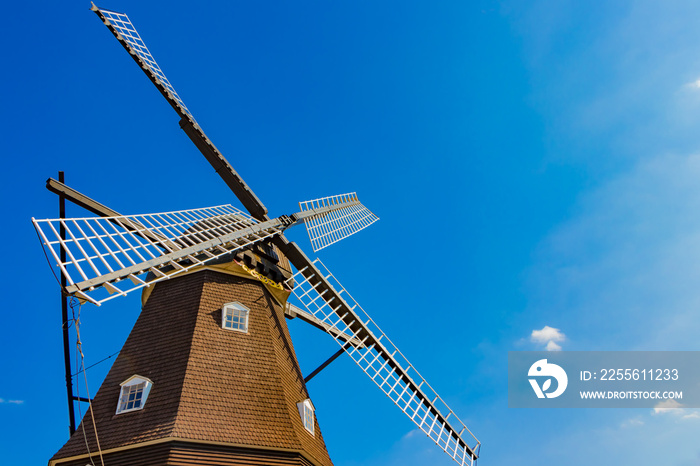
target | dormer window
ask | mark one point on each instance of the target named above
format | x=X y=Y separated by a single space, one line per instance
x=306 y=411
x=234 y=316
x=133 y=394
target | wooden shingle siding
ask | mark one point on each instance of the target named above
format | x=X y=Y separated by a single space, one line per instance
x=190 y=454
x=177 y=453
x=154 y=455
x=210 y=385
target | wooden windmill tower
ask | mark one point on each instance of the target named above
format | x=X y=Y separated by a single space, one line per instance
x=208 y=374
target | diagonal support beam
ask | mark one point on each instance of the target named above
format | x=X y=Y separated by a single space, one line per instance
x=291 y=312
x=80 y=199
x=96 y=208
x=328 y=361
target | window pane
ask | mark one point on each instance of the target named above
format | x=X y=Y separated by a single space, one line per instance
x=235 y=318
x=131 y=397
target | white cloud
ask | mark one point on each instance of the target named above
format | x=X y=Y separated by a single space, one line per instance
x=547 y=334
x=694 y=84
x=668 y=407
x=634 y=422
x=675 y=409
x=12 y=402
x=549 y=337
x=551 y=346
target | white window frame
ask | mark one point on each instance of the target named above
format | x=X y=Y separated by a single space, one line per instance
x=236 y=309
x=307 y=414
x=135 y=382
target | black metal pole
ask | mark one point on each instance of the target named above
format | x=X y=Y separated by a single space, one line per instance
x=64 y=316
x=328 y=361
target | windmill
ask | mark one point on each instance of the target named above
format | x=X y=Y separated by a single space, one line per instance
x=208 y=374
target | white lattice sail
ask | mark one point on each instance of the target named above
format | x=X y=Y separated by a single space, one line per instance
x=131 y=40
x=333 y=226
x=321 y=294
x=103 y=252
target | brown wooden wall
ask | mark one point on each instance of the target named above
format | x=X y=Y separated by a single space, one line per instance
x=177 y=453
x=210 y=385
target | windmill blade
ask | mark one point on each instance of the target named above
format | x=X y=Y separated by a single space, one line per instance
x=102 y=252
x=324 y=230
x=128 y=36
x=120 y=25
x=322 y=295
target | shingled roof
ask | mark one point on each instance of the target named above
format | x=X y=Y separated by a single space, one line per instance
x=210 y=386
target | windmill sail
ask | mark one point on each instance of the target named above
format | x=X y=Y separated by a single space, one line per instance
x=120 y=25
x=128 y=36
x=102 y=252
x=325 y=230
x=325 y=298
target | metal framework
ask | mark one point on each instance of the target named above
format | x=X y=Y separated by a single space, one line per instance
x=326 y=299
x=103 y=252
x=331 y=228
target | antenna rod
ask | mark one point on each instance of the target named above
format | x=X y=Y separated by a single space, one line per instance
x=64 y=313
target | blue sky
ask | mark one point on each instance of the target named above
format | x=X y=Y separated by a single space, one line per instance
x=534 y=164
